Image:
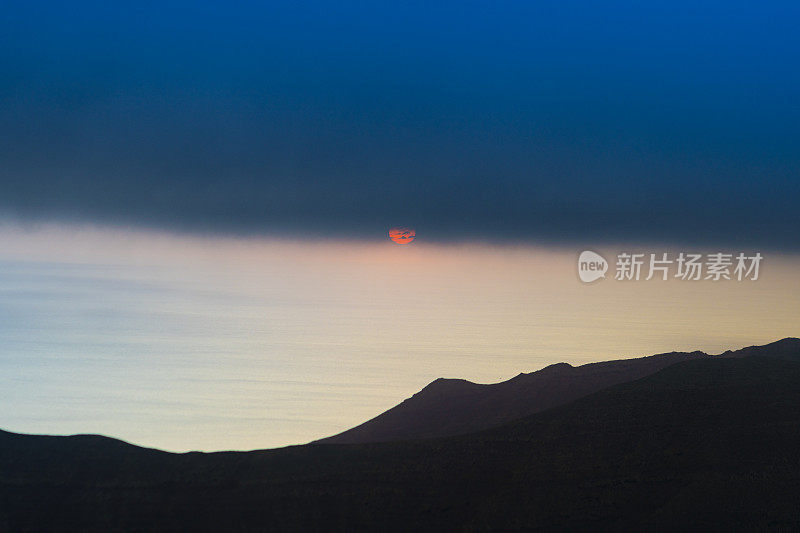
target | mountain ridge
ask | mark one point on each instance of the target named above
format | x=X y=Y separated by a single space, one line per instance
x=451 y=406
x=709 y=443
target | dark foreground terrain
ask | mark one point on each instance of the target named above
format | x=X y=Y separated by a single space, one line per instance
x=710 y=443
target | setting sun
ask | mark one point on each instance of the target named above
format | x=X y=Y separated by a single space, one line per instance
x=402 y=235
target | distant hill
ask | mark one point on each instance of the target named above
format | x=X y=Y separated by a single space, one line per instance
x=449 y=407
x=705 y=444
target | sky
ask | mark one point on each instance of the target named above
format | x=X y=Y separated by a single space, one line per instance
x=542 y=122
x=214 y=343
x=195 y=199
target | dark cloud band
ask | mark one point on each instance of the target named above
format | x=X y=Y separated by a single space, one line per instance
x=530 y=122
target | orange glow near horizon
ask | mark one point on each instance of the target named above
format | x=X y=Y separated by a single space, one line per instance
x=402 y=235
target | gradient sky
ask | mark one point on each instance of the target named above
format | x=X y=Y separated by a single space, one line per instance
x=194 y=200
x=539 y=121
x=219 y=343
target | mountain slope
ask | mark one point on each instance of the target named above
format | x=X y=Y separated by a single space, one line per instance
x=449 y=407
x=452 y=407
x=709 y=443
x=788 y=348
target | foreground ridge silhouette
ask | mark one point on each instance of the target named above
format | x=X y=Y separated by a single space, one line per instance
x=449 y=407
x=710 y=442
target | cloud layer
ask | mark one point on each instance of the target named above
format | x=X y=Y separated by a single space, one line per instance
x=552 y=122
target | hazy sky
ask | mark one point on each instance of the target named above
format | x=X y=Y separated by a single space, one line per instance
x=218 y=343
x=548 y=121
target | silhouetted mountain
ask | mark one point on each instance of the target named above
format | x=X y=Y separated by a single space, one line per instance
x=455 y=406
x=788 y=348
x=449 y=407
x=710 y=443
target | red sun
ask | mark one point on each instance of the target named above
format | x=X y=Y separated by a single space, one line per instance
x=402 y=235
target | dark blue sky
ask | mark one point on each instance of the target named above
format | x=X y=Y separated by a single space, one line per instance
x=542 y=121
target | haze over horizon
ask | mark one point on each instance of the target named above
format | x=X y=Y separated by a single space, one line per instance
x=182 y=342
